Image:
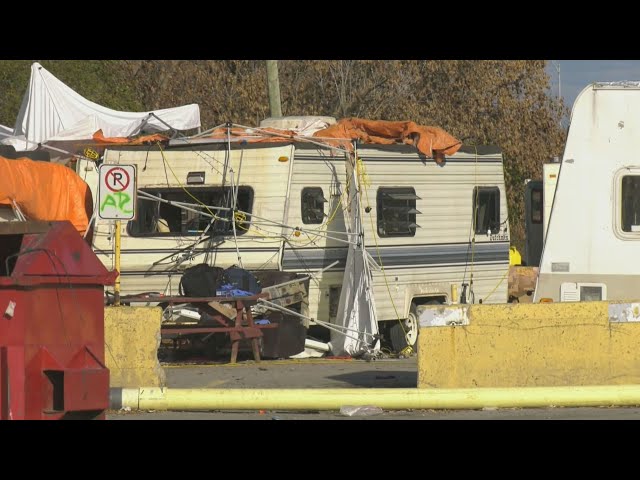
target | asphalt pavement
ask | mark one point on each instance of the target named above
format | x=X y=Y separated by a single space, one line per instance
x=337 y=373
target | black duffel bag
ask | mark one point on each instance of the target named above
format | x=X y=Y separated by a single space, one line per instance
x=242 y=279
x=201 y=281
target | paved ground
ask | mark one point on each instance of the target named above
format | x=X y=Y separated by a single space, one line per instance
x=322 y=373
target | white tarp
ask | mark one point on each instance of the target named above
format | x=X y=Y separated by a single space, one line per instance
x=7 y=138
x=6 y=130
x=301 y=125
x=356 y=309
x=52 y=111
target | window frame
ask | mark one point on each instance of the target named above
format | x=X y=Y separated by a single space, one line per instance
x=541 y=209
x=193 y=190
x=307 y=191
x=386 y=190
x=474 y=212
x=617 y=203
x=636 y=200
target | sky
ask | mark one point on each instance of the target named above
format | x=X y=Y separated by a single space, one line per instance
x=575 y=75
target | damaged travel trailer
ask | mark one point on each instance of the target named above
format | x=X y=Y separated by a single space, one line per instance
x=590 y=250
x=434 y=231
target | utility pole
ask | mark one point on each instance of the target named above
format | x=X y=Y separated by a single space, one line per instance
x=273 y=86
x=557 y=65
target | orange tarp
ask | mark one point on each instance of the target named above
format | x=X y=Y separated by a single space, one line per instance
x=430 y=141
x=141 y=140
x=46 y=191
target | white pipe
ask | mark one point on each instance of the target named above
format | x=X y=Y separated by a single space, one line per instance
x=385 y=398
x=323 y=347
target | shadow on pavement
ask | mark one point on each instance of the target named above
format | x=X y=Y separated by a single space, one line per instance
x=379 y=379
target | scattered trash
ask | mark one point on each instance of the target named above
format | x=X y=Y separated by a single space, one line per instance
x=308 y=353
x=262 y=412
x=489 y=409
x=276 y=418
x=125 y=409
x=228 y=290
x=360 y=410
x=313 y=349
x=11 y=309
x=406 y=352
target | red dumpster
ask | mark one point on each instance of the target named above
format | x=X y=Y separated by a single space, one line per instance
x=51 y=324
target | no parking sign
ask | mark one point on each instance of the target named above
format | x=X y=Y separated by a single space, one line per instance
x=117 y=192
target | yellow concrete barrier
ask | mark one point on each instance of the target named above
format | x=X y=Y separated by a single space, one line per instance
x=523 y=345
x=132 y=338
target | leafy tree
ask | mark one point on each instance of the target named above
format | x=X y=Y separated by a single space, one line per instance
x=505 y=103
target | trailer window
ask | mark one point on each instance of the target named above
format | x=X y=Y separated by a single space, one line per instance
x=312 y=204
x=397 y=211
x=486 y=206
x=536 y=205
x=156 y=218
x=630 y=203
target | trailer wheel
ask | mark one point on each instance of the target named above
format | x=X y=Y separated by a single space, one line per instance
x=411 y=327
x=405 y=333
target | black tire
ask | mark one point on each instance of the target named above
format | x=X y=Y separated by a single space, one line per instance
x=398 y=332
x=410 y=326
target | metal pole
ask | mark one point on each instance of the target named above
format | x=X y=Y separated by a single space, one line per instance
x=191 y=399
x=559 y=82
x=273 y=86
x=117 y=265
x=556 y=64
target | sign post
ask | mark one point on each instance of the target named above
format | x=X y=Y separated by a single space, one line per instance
x=116 y=285
x=117 y=201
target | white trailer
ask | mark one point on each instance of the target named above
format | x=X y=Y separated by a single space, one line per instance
x=590 y=251
x=419 y=222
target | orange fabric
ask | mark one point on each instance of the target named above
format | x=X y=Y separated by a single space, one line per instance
x=156 y=137
x=430 y=141
x=46 y=191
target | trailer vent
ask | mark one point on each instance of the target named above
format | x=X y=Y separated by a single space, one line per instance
x=582 y=292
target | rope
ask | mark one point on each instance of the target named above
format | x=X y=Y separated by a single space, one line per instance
x=361 y=170
x=17 y=211
x=182 y=186
x=233 y=223
x=475 y=216
x=496 y=287
x=93 y=217
x=299 y=138
x=214 y=216
x=330 y=326
x=317 y=232
x=323 y=227
x=472 y=226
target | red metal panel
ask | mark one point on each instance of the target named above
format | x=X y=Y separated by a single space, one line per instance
x=51 y=325
x=84 y=389
x=16 y=370
x=4 y=385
